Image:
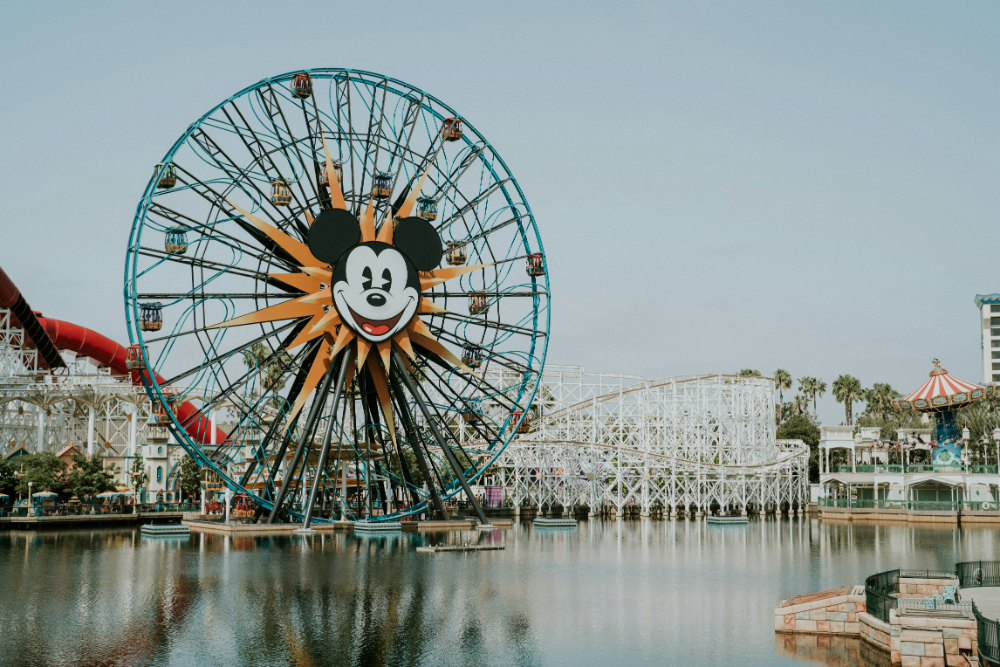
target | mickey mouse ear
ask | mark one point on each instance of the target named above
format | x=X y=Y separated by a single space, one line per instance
x=333 y=232
x=418 y=239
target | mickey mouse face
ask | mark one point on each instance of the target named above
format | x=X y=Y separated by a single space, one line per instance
x=376 y=287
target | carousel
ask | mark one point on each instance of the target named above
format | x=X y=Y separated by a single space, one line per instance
x=893 y=477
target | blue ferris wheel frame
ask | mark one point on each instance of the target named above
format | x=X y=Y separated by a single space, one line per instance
x=479 y=148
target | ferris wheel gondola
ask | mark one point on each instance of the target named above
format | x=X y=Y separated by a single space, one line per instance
x=318 y=314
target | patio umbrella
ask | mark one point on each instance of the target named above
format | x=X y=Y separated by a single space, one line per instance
x=107 y=494
x=44 y=494
x=4 y=495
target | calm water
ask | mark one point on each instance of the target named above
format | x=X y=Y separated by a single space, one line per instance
x=610 y=593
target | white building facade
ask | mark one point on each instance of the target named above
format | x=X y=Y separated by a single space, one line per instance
x=989 y=325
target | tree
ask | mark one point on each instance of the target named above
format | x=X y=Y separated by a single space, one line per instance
x=879 y=399
x=138 y=472
x=8 y=481
x=749 y=372
x=188 y=475
x=90 y=477
x=783 y=380
x=847 y=390
x=45 y=471
x=798 y=427
x=808 y=386
x=819 y=388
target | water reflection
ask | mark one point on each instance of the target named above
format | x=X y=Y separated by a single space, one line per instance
x=636 y=592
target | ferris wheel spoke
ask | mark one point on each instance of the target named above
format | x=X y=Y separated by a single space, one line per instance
x=258 y=155
x=295 y=144
x=227 y=355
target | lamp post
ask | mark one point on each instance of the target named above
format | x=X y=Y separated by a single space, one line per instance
x=996 y=439
x=31 y=503
x=965 y=448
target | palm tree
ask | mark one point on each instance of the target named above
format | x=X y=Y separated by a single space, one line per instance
x=749 y=372
x=807 y=385
x=800 y=404
x=783 y=379
x=879 y=399
x=819 y=388
x=847 y=390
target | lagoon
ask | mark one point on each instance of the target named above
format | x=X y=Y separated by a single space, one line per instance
x=642 y=592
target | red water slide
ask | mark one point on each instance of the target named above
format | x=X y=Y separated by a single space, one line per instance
x=48 y=335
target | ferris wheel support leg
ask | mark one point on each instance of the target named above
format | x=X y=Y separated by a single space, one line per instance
x=321 y=464
x=418 y=453
x=448 y=454
x=314 y=413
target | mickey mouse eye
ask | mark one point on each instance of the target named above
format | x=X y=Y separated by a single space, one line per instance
x=386 y=280
x=366 y=275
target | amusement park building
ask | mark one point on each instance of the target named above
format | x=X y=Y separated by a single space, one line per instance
x=989 y=314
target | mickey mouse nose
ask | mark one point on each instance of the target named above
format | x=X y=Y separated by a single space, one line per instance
x=376 y=300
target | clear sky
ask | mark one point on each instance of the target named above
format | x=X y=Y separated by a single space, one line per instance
x=805 y=185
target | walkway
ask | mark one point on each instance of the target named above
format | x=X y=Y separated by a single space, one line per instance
x=987 y=600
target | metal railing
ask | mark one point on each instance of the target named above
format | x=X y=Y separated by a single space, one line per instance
x=879 y=589
x=917 y=505
x=978 y=573
x=988 y=636
x=904 y=605
x=915 y=467
x=96 y=510
x=926 y=574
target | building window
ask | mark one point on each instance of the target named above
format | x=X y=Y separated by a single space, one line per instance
x=995 y=321
x=995 y=333
x=995 y=343
x=996 y=355
x=995 y=308
x=159 y=450
x=996 y=378
x=159 y=469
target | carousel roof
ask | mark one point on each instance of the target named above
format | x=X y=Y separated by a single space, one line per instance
x=942 y=391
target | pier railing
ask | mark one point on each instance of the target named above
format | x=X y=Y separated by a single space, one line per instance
x=978 y=573
x=915 y=467
x=914 y=505
x=988 y=636
x=879 y=590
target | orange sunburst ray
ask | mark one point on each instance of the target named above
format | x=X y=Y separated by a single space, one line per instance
x=429 y=279
x=321 y=297
x=437 y=348
x=283 y=311
x=407 y=208
x=384 y=351
x=296 y=249
x=344 y=336
x=322 y=274
x=402 y=341
x=426 y=306
x=386 y=230
x=319 y=368
x=382 y=389
x=299 y=281
x=308 y=333
x=364 y=347
x=328 y=321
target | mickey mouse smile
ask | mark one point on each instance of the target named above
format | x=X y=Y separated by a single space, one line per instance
x=375 y=327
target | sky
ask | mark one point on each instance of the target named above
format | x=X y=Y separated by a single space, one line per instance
x=719 y=185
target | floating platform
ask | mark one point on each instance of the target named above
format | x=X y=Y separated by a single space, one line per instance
x=460 y=547
x=377 y=526
x=728 y=520
x=554 y=523
x=165 y=530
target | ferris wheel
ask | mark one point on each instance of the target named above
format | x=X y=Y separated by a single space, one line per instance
x=343 y=276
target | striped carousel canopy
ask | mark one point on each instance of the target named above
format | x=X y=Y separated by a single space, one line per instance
x=941 y=392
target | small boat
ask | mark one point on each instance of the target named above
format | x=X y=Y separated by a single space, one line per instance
x=728 y=520
x=377 y=526
x=165 y=530
x=554 y=523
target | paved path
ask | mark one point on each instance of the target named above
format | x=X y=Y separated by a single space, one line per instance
x=987 y=600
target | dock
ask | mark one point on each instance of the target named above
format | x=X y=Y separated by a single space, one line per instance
x=165 y=530
x=459 y=547
x=728 y=520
